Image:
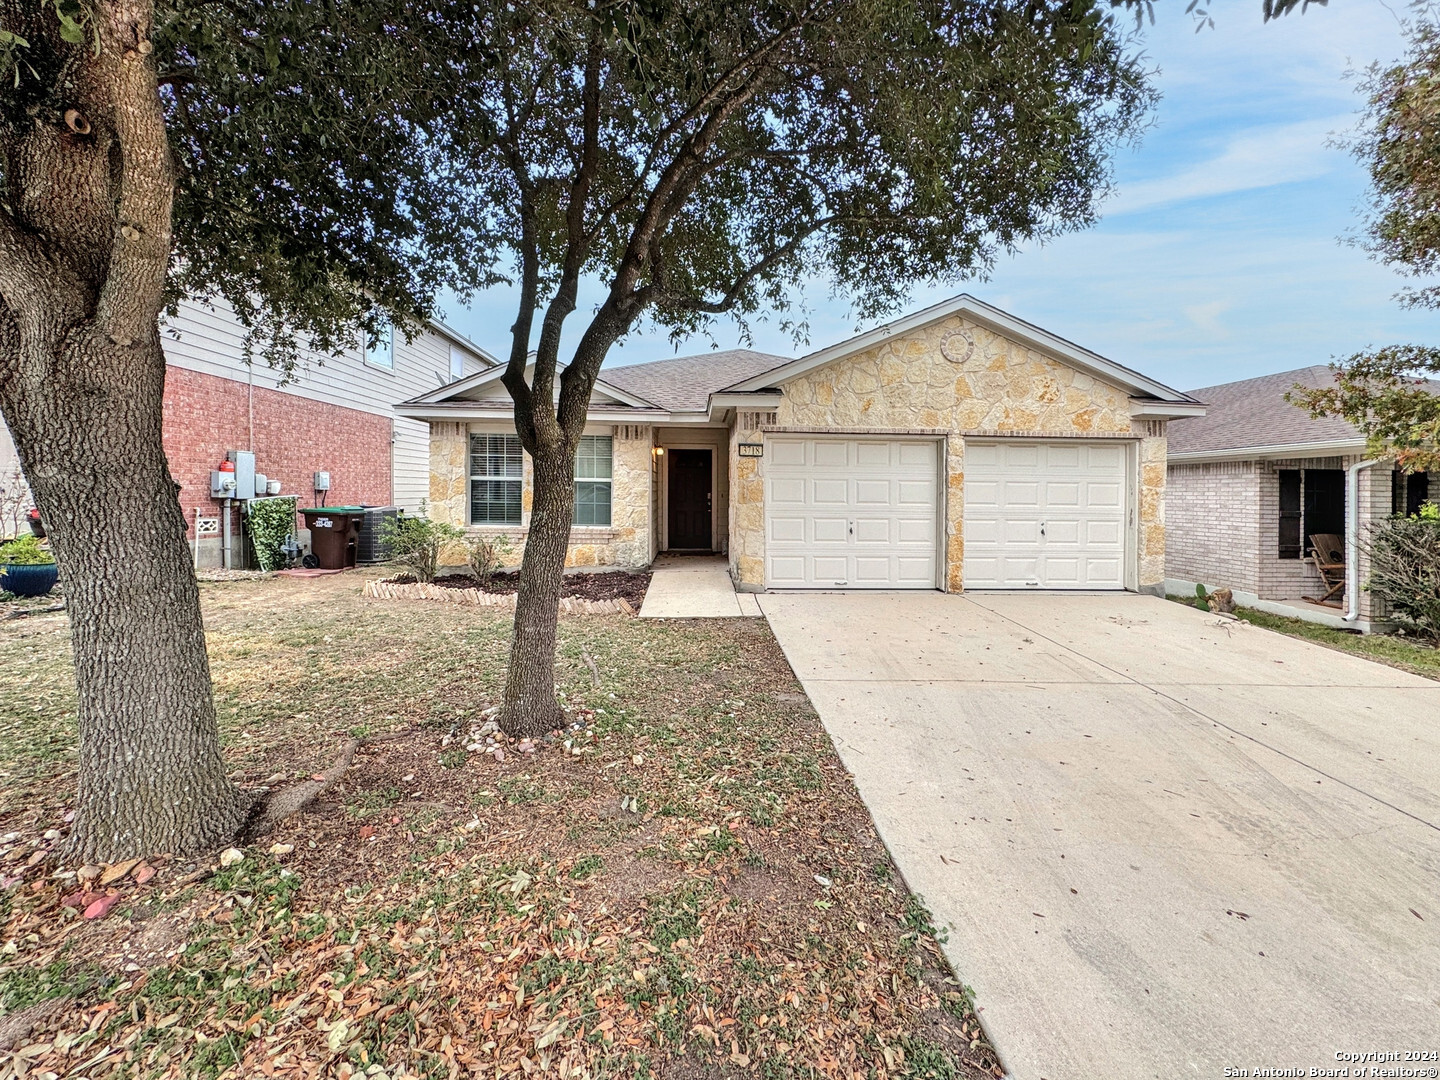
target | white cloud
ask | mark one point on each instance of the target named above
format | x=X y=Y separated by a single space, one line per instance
x=1251 y=159
x=1206 y=317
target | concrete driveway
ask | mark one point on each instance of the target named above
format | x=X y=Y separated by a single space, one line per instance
x=1162 y=843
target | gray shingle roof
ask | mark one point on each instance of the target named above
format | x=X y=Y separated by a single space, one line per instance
x=686 y=382
x=1254 y=412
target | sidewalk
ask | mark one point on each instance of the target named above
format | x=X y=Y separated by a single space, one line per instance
x=695 y=587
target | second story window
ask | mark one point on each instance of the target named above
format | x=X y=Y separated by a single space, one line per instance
x=380 y=346
x=457 y=362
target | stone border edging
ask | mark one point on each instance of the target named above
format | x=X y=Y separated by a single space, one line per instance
x=569 y=605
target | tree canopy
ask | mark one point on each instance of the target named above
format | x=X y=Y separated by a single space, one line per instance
x=1386 y=392
x=706 y=160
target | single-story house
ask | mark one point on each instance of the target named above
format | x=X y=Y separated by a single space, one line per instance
x=957 y=447
x=1255 y=478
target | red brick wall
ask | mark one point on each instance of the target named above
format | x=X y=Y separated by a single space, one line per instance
x=294 y=438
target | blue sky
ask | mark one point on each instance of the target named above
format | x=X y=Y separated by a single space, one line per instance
x=1220 y=255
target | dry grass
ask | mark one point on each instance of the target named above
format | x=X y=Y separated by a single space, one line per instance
x=691 y=889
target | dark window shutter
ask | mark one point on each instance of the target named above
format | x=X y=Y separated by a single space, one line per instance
x=1289 y=513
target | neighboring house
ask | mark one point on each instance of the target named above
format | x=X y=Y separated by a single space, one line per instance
x=957 y=447
x=336 y=415
x=1255 y=478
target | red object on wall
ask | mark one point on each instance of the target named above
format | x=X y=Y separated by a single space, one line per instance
x=294 y=438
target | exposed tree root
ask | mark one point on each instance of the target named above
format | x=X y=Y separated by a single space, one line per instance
x=22 y=612
x=276 y=806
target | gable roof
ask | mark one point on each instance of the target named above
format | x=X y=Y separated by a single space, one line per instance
x=461 y=391
x=457 y=338
x=685 y=383
x=1253 y=415
x=1002 y=322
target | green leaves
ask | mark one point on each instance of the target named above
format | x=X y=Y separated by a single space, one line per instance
x=1384 y=394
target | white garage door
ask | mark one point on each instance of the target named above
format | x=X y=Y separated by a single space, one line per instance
x=1045 y=515
x=850 y=513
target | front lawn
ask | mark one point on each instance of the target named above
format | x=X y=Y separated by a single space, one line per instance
x=1404 y=653
x=690 y=889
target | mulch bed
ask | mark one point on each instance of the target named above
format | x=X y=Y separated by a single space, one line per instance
x=607 y=585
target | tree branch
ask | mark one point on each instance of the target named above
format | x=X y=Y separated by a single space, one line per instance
x=128 y=306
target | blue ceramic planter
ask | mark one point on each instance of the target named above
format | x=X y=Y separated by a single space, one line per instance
x=28 y=580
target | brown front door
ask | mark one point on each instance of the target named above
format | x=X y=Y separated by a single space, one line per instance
x=689 y=499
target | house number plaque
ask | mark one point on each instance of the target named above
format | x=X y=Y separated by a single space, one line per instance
x=752 y=449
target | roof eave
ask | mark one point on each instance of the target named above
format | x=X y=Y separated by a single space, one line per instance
x=1150 y=409
x=723 y=402
x=1328 y=448
x=481 y=410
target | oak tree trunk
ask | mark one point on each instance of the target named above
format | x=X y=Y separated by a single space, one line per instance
x=151 y=777
x=85 y=233
x=530 y=706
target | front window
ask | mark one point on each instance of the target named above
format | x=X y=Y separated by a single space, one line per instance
x=380 y=346
x=593 y=480
x=496 y=468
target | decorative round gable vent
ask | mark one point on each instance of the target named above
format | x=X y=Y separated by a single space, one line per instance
x=958 y=347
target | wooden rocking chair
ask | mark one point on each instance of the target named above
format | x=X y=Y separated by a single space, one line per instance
x=1327 y=555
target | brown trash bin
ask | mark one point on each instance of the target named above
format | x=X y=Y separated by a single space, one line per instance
x=334 y=534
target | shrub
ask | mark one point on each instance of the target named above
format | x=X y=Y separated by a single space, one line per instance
x=271 y=523
x=486 y=554
x=1405 y=570
x=25 y=551
x=416 y=542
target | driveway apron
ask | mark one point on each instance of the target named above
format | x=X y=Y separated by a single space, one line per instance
x=1162 y=843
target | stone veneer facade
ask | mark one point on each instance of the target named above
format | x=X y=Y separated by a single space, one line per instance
x=908 y=386
x=626 y=542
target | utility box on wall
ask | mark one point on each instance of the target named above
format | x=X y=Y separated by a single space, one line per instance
x=244 y=462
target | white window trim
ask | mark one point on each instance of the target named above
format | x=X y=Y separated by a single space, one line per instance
x=609 y=480
x=473 y=477
x=365 y=350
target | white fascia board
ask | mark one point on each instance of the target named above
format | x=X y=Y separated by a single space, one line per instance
x=1259 y=453
x=499 y=410
x=494 y=374
x=979 y=312
x=464 y=342
x=1148 y=408
x=723 y=401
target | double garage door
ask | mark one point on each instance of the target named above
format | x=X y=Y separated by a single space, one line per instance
x=867 y=514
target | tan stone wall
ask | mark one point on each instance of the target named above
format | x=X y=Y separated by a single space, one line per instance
x=627 y=542
x=999 y=387
x=747 y=503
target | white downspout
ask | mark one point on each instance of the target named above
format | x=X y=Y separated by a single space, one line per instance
x=1352 y=538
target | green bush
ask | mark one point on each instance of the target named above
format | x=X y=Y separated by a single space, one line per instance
x=271 y=523
x=25 y=551
x=416 y=542
x=1405 y=570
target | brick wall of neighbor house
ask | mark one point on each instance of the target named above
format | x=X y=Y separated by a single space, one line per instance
x=1212 y=514
x=1284 y=579
x=1003 y=388
x=293 y=437
x=1225 y=526
x=626 y=543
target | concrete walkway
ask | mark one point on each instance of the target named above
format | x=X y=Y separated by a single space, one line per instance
x=1163 y=843
x=695 y=587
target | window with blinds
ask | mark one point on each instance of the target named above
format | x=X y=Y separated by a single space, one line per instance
x=594 y=460
x=496 y=467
